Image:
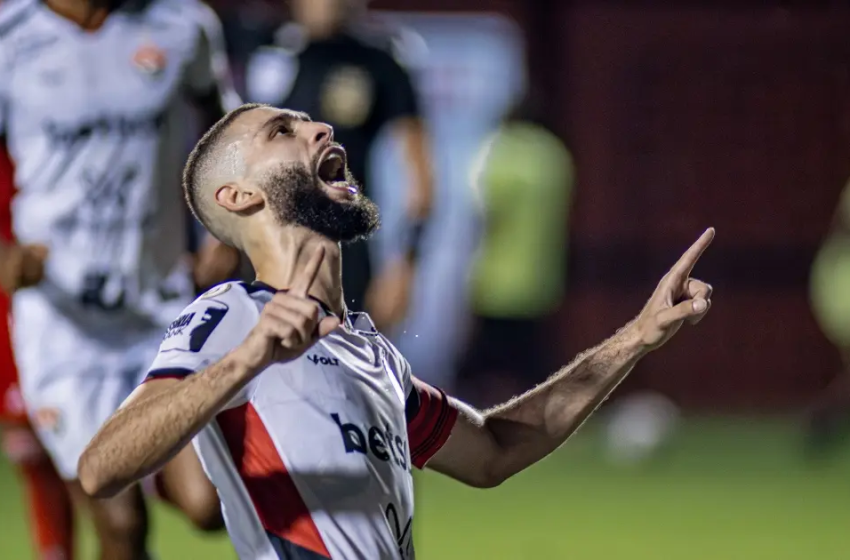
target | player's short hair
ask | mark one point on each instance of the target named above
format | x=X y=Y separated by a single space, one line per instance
x=202 y=160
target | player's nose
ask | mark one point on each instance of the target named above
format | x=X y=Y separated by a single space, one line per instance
x=317 y=133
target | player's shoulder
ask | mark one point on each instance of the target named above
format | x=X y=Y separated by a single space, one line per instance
x=234 y=298
x=15 y=15
x=222 y=313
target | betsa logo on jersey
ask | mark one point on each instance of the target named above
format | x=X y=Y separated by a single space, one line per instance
x=382 y=444
x=150 y=59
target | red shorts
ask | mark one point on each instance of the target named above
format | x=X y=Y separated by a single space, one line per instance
x=11 y=403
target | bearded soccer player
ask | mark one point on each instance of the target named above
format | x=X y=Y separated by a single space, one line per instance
x=92 y=97
x=317 y=418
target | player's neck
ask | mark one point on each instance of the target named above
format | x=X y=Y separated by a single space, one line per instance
x=277 y=262
x=81 y=12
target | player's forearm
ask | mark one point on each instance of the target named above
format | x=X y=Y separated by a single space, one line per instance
x=142 y=436
x=528 y=428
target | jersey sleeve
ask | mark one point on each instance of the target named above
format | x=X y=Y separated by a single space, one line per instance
x=429 y=412
x=208 y=77
x=203 y=334
x=431 y=415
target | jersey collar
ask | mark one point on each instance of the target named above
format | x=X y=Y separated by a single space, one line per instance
x=353 y=321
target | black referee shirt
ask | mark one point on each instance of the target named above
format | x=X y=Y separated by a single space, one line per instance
x=356 y=87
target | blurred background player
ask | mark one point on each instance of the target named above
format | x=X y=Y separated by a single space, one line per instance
x=93 y=96
x=828 y=422
x=50 y=508
x=330 y=66
x=524 y=186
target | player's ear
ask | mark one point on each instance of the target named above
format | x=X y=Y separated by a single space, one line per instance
x=237 y=198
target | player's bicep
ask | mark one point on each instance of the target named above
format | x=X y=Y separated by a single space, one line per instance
x=470 y=451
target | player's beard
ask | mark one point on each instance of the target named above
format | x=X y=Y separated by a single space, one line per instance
x=295 y=195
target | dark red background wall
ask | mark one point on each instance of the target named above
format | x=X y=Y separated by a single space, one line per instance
x=681 y=118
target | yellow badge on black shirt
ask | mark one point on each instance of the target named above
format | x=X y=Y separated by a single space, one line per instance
x=347 y=96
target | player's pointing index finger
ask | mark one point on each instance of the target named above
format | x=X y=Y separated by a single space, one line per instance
x=307 y=275
x=682 y=269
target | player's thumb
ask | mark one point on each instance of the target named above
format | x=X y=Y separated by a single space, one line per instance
x=327 y=326
x=686 y=310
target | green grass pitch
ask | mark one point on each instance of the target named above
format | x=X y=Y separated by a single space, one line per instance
x=725 y=490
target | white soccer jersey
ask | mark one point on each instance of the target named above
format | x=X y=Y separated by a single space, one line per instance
x=94 y=122
x=313 y=459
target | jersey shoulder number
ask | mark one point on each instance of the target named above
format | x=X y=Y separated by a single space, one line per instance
x=190 y=331
x=219 y=314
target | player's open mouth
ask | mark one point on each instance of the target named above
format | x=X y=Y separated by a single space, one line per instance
x=332 y=169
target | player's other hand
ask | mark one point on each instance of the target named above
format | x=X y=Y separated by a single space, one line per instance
x=21 y=266
x=678 y=298
x=289 y=324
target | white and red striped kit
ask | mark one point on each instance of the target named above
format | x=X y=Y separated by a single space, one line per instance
x=313 y=458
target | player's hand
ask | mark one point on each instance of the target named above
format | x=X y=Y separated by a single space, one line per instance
x=388 y=296
x=289 y=324
x=21 y=266
x=678 y=298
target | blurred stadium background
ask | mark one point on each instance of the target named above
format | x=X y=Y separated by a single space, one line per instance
x=676 y=117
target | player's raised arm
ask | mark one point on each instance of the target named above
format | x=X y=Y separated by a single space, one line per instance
x=485 y=448
x=163 y=415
